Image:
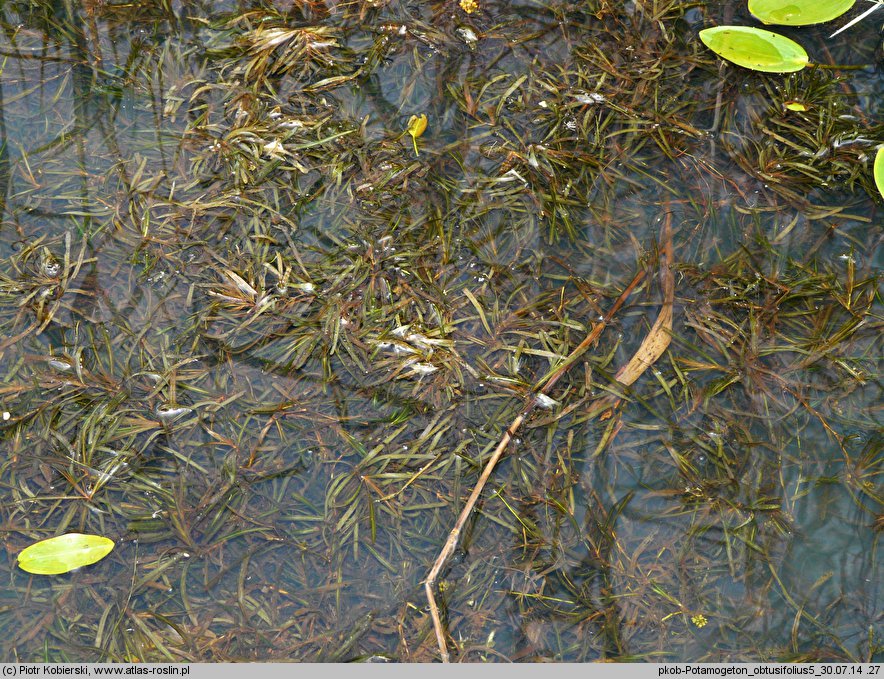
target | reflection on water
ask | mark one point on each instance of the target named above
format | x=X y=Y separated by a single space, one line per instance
x=254 y=337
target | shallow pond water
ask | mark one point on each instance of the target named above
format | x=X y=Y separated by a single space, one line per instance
x=254 y=332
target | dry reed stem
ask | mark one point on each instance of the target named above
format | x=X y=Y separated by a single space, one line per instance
x=650 y=350
x=660 y=334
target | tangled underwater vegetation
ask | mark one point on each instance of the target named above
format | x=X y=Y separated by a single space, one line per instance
x=278 y=278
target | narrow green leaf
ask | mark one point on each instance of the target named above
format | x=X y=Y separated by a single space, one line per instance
x=755 y=48
x=798 y=12
x=64 y=553
x=879 y=171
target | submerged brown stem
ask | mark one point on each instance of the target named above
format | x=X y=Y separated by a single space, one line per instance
x=649 y=351
x=660 y=334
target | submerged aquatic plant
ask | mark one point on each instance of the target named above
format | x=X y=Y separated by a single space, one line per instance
x=765 y=51
x=254 y=337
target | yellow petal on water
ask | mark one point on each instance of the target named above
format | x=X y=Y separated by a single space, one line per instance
x=796 y=106
x=416 y=127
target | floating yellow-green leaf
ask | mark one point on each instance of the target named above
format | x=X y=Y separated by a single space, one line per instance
x=879 y=171
x=416 y=127
x=796 y=106
x=798 y=12
x=64 y=553
x=755 y=48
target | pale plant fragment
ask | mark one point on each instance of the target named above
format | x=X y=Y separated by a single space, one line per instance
x=876 y=6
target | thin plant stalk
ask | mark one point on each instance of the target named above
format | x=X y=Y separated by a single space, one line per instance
x=651 y=349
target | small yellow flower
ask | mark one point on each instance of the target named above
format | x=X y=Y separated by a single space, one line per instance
x=699 y=620
x=469 y=6
x=416 y=127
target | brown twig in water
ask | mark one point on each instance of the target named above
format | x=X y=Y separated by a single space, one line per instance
x=454 y=535
x=650 y=350
x=660 y=334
